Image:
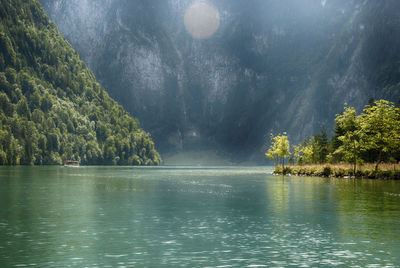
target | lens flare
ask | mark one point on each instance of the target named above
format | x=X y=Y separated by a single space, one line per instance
x=201 y=19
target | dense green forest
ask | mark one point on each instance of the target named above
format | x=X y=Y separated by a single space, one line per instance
x=51 y=107
x=373 y=136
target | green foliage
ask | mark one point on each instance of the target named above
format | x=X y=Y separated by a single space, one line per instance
x=349 y=149
x=283 y=170
x=279 y=149
x=380 y=129
x=51 y=107
x=337 y=171
x=327 y=171
x=321 y=146
x=373 y=136
x=314 y=150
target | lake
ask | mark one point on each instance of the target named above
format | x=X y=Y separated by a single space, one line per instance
x=194 y=217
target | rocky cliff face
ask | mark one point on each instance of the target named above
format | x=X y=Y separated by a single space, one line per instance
x=272 y=66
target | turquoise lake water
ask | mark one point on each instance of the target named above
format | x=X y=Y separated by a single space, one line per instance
x=194 y=217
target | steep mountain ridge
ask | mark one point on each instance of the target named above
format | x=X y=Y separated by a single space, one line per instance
x=51 y=107
x=272 y=66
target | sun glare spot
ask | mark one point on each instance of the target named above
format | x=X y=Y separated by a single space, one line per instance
x=201 y=19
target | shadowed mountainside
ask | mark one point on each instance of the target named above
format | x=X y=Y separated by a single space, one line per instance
x=272 y=66
x=52 y=108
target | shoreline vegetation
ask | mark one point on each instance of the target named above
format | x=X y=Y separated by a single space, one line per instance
x=387 y=171
x=366 y=145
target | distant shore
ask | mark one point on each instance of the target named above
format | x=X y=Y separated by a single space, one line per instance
x=385 y=171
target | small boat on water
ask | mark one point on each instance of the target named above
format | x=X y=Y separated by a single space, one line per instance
x=71 y=163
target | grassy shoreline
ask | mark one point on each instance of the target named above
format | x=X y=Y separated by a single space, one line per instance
x=385 y=171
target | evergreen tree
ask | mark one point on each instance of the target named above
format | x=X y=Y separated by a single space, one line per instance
x=322 y=144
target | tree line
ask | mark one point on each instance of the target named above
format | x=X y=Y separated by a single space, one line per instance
x=51 y=107
x=373 y=136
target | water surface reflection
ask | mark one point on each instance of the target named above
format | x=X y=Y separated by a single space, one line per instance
x=195 y=217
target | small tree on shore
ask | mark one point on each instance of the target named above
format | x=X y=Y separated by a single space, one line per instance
x=296 y=154
x=350 y=138
x=380 y=129
x=279 y=149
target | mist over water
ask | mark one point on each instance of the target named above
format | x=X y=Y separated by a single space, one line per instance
x=194 y=217
x=196 y=158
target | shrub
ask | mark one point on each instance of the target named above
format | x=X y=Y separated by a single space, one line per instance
x=327 y=171
x=286 y=170
x=361 y=173
x=278 y=170
x=349 y=172
x=340 y=172
x=311 y=171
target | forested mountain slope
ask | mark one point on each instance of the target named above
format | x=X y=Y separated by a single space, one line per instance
x=272 y=66
x=51 y=107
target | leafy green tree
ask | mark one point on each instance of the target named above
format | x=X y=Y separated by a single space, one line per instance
x=349 y=148
x=5 y=105
x=11 y=75
x=37 y=116
x=7 y=51
x=23 y=109
x=34 y=100
x=272 y=150
x=296 y=154
x=308 y=151
x=110 y=150
x=3 y=158
x=380 y=129
x=279 y=149
x=53 y=142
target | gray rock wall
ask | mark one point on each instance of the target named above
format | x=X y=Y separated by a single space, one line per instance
x=272 y=66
